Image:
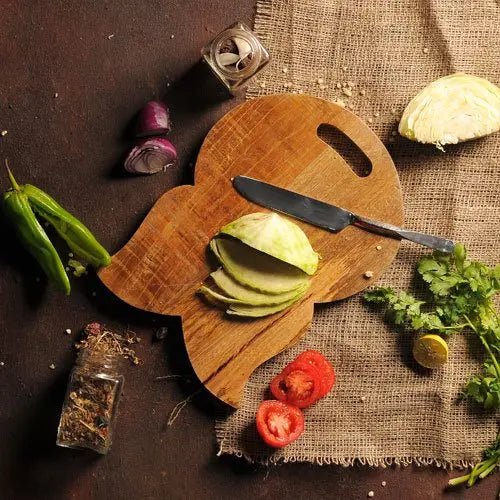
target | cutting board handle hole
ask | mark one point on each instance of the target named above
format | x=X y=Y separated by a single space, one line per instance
x=346 y=148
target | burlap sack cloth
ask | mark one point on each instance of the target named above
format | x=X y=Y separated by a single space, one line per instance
x=389 y=49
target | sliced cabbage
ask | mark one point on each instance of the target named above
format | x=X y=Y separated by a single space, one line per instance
x=452 y=109
x=259 y=311
x=272 y=234
x=234 y=290
x=268 y=298
x=208 y=292
x=256 y=269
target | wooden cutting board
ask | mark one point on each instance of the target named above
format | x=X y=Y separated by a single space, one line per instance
x=274 y=139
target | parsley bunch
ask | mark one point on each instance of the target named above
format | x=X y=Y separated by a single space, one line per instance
x=460 y=296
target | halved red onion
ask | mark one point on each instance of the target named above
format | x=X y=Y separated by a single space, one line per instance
x=153 y=119
x=151 y=156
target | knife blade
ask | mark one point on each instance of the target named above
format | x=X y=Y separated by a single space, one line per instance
x=327 y=216
x=302 y=207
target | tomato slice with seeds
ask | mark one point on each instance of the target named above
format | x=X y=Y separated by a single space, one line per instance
x=279 y=423
x=299 y=384
x=317 y=359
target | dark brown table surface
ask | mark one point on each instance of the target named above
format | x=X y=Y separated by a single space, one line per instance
x=104 y=59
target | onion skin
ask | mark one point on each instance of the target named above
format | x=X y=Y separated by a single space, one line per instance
x=150 y=156
x=153 y=120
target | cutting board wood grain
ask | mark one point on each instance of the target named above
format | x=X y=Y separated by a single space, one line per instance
x=274 y=139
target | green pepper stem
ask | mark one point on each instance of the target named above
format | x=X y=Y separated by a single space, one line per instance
x=13 y=182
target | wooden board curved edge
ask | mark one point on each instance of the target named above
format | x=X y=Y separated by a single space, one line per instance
x=224 y=353
x=140 y=273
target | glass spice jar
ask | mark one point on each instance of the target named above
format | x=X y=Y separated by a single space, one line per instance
x=235 y=56
x=91 y=401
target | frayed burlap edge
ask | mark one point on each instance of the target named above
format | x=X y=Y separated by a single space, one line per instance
x=403 y=461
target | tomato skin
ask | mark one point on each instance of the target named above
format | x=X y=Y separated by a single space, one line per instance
x=279 y=423
x=299 y=384
x=323 y=365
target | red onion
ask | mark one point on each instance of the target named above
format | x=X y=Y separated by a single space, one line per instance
x=151 y=156
x=153 y=119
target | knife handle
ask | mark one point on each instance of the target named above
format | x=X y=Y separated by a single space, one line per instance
x=434 y=242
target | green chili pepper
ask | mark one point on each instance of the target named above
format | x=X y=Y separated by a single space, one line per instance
x=77 y=236
x=18 y=210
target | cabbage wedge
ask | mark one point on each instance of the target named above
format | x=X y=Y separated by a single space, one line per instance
x=255 y=269
x=453 y=109
x=276 y=236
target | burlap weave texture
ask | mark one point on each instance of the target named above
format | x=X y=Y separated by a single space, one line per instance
x=389 y=50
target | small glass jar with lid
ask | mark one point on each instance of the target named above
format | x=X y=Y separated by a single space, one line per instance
x=91 y=401
x=235 y=56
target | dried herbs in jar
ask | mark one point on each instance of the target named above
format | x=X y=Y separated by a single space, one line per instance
x=94 y=389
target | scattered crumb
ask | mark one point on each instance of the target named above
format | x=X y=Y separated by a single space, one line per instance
x=370 y=120
x=344 y=68
x=378 y=247
x=320 y=81
x=362 y=92
x=285 y=69
x=286 y=85
x=111 y=36
x=426 y=50
x=351 y=84
x=67 y=331
x=340 y=102
x=172 y=36
x=70 y=254
x=2 y=363
x=350 y=105
x=262 y=85
x=347 y=91
x=394 y=133
x=4 y=133
x=371 y=494
x=66 y=268
x=323 y=87
x=363 y=398
x=376 y=114
x=56 y=95
x=368 y=274
x=52 y=366
x=384 y=483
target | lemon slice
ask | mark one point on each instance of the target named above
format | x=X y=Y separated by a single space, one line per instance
x=430 y=351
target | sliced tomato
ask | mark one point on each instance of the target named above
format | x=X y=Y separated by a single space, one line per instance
x=317 y=359
x=299 y=384
x=279 y=423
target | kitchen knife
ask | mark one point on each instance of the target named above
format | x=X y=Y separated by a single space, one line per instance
x=327 y=216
